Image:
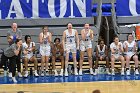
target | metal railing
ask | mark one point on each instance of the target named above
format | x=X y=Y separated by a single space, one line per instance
x=113 y=16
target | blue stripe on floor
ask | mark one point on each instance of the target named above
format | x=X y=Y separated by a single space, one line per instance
x=70 y=78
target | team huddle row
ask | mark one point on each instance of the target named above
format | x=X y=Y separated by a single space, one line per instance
x=70 y=43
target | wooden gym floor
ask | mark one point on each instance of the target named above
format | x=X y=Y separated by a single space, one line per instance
x=72 y=84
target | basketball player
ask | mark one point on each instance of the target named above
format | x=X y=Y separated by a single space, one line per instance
x=130 y=53
x=86 y=45
x=116 y=54
x=69 y=44
x=28 y=49
x=58 y=53
x=101 y=54
x=45 y=38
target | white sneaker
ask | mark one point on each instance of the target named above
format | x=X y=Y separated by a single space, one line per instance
x=128 y=72
x=26 y=74
x=96 y=72
x=5 y=73
x=66 y=73
x=122 y=72
x=14 y=79
x=91 y=71
x=10 y=74
x=80 y=72
x=113 y=72
x=136 y=72
x=42 y=73
x=61 y=72
x=47 y=73
x=55 y=73
x=107 y=71
x=75 y=72
x=35 y=73
x=19 y=74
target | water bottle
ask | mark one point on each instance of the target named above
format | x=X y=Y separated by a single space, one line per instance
x=69 y=69
x=133 y=33
x=102 y=70
x=132 y=69
x=99 y=69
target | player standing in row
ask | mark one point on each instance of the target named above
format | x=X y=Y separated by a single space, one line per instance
x=45 y=39
x=70 y=44
x=86 y=45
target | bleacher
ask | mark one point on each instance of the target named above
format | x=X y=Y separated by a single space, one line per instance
x=106 y=7
x=120 y=23
x=58 y=25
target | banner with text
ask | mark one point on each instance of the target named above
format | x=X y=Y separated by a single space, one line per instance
x=21 y=9
x=128 y=7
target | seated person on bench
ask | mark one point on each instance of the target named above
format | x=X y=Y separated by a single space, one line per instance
x=116 y=48
x=101 y=55
x=57 y=53
x=28 y=49
x=131 y=54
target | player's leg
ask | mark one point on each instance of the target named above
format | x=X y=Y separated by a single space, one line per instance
x=96 y=65
x=42 y=52
x=75 y=63
x=47 y=56
x=89 y=52
x=53 y=64
x=107 y=64
x=66 y=63
x=81 y=61
x=26 y=60
x=62 y=65
x=121 y=58
x=112 y=64
x=127 y=64
x=34 y=59
x=135 y=58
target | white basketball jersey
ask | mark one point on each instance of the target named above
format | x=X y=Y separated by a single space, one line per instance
x=130 y=46
x=117 y=51
x=70 y=38
x=46 y=37
x=101 y=52
x=25 y=46
x=87 y=36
